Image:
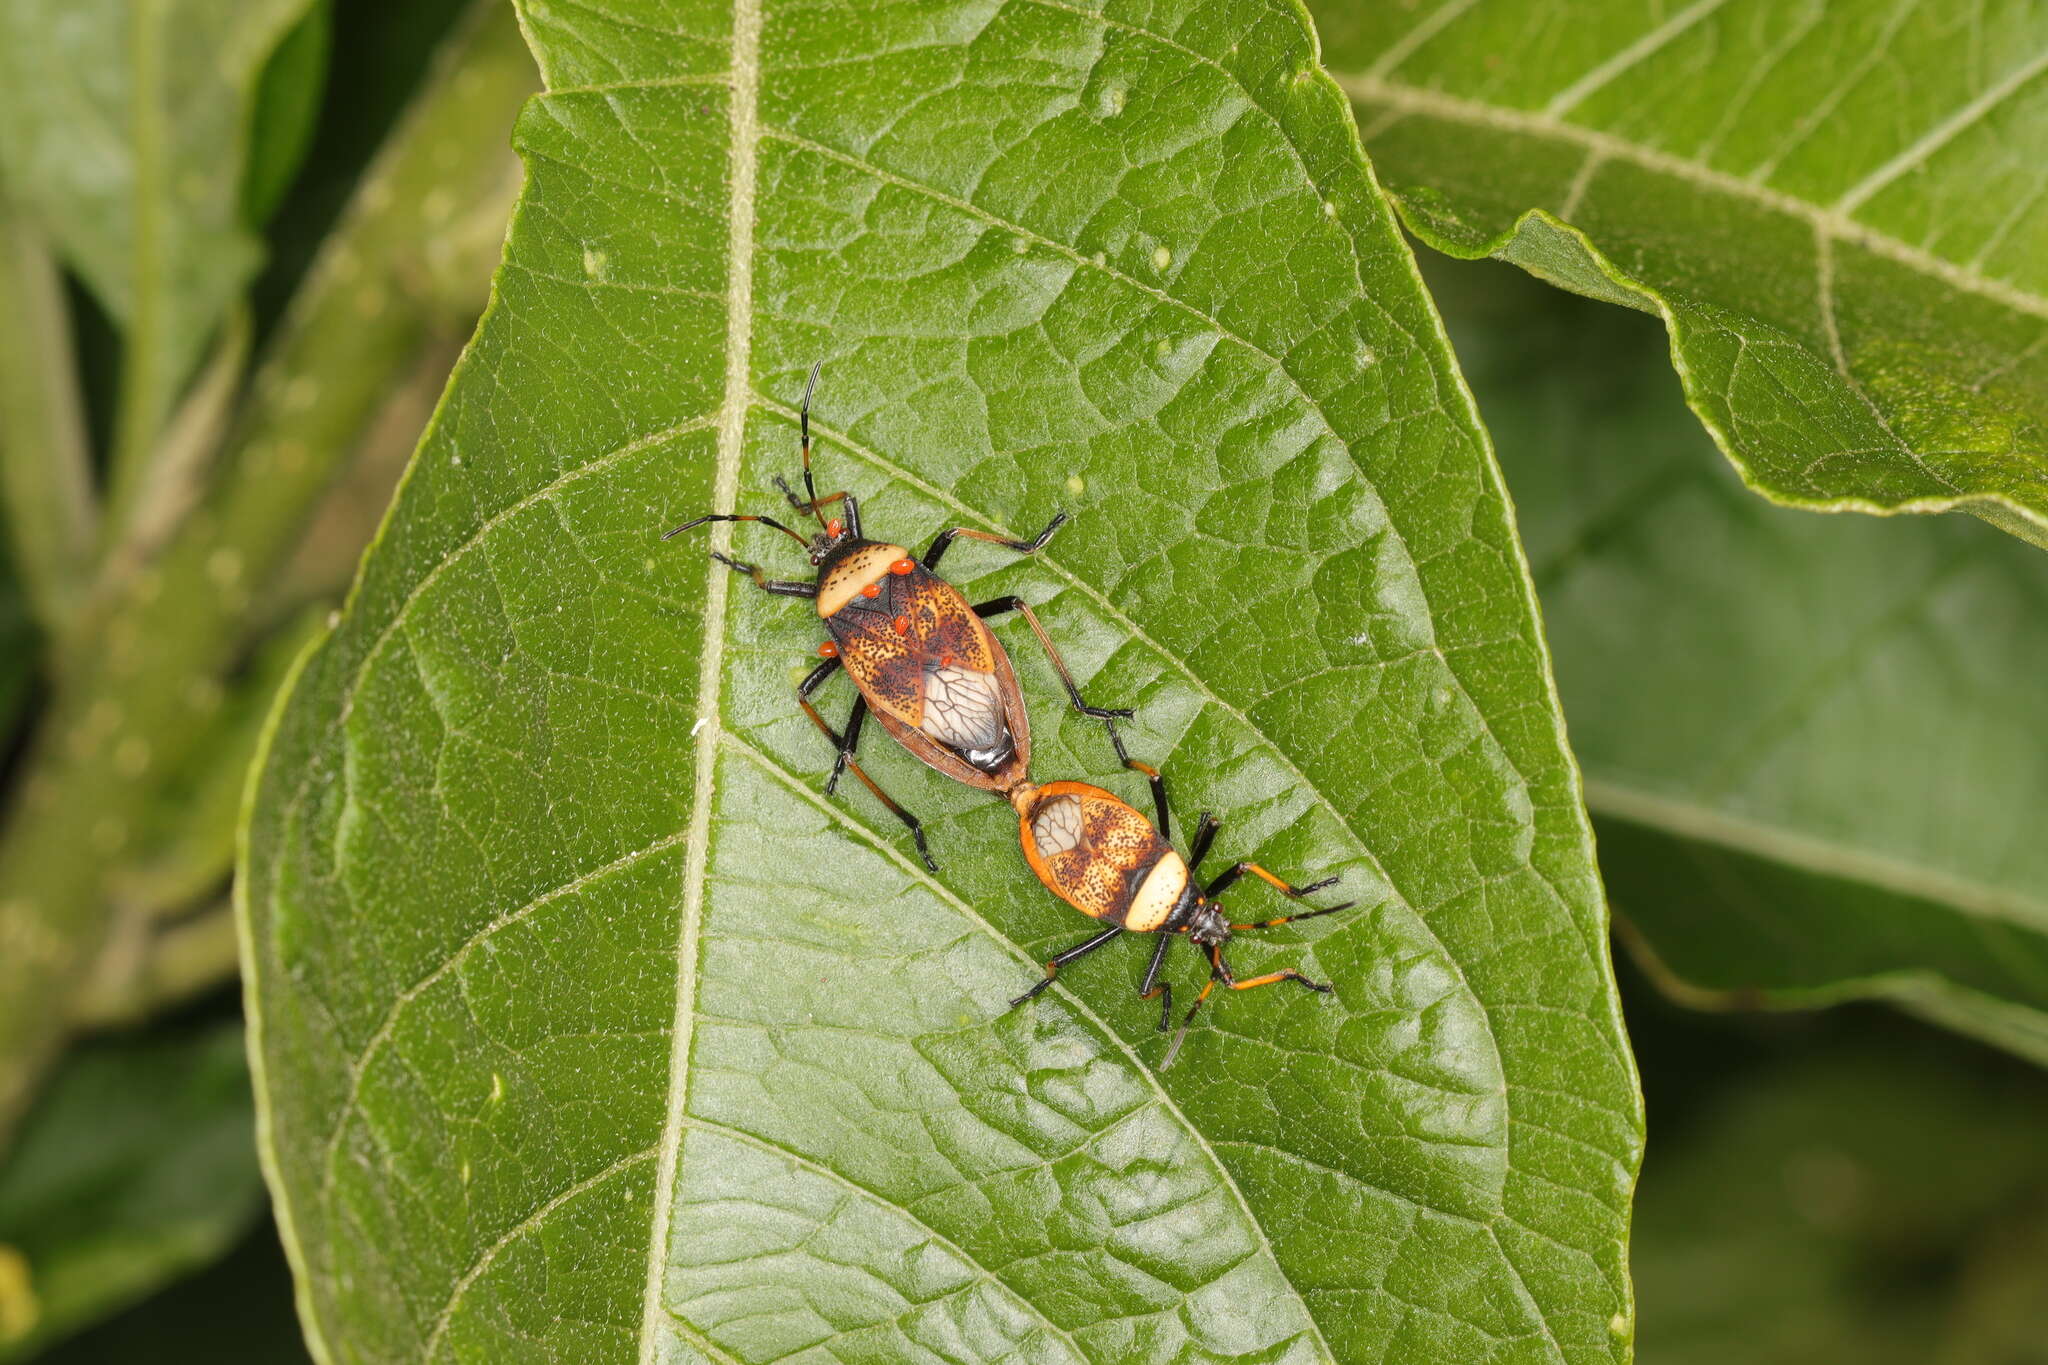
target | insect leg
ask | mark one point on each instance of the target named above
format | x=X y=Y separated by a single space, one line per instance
x=1108 y=716
x=1228 y=978
x=916 y=825
x=1078 y=950
x=855 y=718
x=781 y=587
x=1205 y=835
x=1229 y=878
x=807 y=508
x=816 y=678
x=999 y=605
x=944 y=540
x=1219 y=970
x=1152 y=985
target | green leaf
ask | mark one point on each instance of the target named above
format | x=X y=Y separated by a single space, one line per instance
x=17 y=643
x=125 y=131
x=135 y=1168
x=1835 y=209
x=1801 y=736
x=588 y=1027
x=237 y=1310
x=1810 y=1206
x=287 y=110
x=409 y=260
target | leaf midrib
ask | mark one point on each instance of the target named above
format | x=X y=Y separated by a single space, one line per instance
x=1694 y=821
x=745 y=92
x=1402 y=98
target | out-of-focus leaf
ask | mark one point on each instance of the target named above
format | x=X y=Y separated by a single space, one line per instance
x=48 y=514
x=588 y=1027
x=135 y=1167
x=1837 y=209
x=238 y=1311
x=378 y=57
x=1807 y=741
x=124 y=128
x=1859 y=1189
x=17 y=645
x=411 y=256
x=287 y=109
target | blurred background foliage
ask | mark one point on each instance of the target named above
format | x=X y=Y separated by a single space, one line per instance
x=1848 y=1184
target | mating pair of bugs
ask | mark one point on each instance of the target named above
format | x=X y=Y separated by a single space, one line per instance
x=938 y=681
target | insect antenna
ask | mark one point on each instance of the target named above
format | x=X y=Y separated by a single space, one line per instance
x=1173 y=1048
x=729 y=516
x=1289 y=919
x=803 y=421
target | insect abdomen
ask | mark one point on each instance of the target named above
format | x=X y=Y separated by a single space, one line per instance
x=1102 y=857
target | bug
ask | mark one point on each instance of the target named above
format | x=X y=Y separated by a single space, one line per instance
x=1103 y=857
x=924 y=661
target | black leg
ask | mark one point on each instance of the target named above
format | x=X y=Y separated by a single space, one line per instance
x=945 y=539
x=1078 y=950
x=1108 y=716
x=780 y=587
x=1152 y=985
x=1205 y=835
x=816 y=678
x=1002 y=604
x=1229 y=878
x=855 y=718
x=916 y=826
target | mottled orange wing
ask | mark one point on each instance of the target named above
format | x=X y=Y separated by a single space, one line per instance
x=1090 y=848
x=891 y=643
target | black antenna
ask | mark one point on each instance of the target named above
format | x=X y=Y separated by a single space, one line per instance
x=803 y=419
x=724 y=516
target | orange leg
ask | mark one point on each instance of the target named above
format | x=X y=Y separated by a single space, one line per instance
x=1284 y=974
x=1219 y=970
x=1285 y=887
x=815 y=508
x=937 y=550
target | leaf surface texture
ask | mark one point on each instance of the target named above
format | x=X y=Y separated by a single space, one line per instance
x=590 y=1029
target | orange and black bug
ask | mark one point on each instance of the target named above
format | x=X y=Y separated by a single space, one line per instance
x=926 y=665
x=1104 y=858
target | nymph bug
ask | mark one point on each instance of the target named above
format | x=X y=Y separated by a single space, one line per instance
x=1104 y=858
x=926 y=665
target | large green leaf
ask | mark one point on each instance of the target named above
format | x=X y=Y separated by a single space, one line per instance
x=588 y=1028
x=1805 y=739
x=126 y=133
x=134 y=1168
x=1835 y=207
